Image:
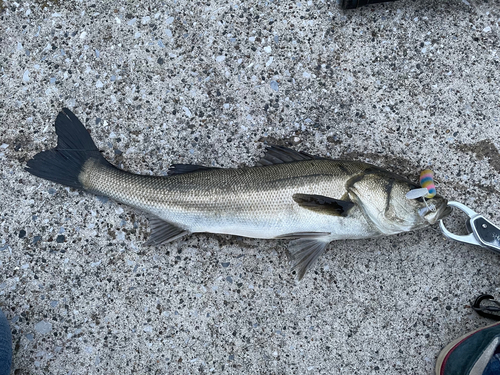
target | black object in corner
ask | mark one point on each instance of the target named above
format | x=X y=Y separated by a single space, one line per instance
x=352 y=4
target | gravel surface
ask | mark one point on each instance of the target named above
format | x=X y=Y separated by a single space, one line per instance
x=406 y=86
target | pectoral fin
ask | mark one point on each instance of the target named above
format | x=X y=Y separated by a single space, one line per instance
x=304 y=252
x=162 y=231
x=322 y=204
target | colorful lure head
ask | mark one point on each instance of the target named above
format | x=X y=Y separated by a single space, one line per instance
x=428 y=190
x=427 y=181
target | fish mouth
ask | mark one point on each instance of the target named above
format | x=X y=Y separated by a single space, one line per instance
x=442 y=212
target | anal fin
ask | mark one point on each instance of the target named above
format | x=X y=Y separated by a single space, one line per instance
x=303 y=235
x=304 y=252
x=163 y=232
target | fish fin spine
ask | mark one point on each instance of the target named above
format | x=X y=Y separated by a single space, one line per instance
x=322 y=204
x=176 y=169
x=282 y=155
x=163 y=231
x=304 y=252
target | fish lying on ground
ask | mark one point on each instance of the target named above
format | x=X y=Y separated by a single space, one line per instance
x=288 y=195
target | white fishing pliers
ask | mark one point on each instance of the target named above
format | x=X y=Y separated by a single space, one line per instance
x=481 y=231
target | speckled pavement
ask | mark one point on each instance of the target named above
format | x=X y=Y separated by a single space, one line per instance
x=405 y=85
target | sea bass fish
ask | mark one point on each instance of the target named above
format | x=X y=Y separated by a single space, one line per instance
x=287 y=195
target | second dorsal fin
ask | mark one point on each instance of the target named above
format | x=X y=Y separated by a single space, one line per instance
x=281 y=155
x=186 y=168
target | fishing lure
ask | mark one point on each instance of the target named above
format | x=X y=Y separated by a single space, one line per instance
x=427 y=181
x=428 y=190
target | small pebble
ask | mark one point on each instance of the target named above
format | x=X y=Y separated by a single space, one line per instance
x=43 y=327
x=187 y=111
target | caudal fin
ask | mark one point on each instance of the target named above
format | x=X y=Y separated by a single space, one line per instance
x=74 y=147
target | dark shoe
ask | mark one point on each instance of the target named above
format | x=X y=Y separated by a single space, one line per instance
x=5 y=345
x=476 y=353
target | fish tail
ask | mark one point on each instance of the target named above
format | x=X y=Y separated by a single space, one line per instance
x=64 y=163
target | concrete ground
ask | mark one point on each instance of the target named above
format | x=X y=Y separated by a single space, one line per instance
x=405 y=85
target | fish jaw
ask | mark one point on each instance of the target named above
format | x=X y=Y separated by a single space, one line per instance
x=439 y=209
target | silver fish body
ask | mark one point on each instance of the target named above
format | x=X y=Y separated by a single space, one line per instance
x=289 y=195
x=252 y=202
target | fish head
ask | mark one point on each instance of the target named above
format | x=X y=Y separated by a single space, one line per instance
x=381 y=195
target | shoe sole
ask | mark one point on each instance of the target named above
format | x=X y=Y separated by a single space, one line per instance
x=448 y=348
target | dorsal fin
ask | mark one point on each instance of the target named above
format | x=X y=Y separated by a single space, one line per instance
x=281 y=155
x=186 y=168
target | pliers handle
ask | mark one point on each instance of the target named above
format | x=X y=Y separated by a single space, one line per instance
x=481 y=231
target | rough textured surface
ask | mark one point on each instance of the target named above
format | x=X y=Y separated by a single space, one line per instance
x=405 y=85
